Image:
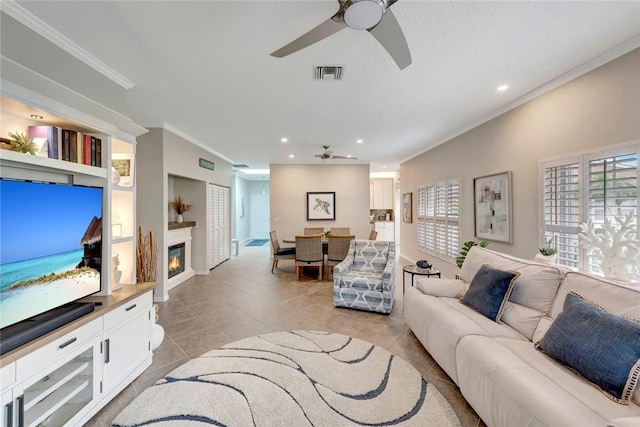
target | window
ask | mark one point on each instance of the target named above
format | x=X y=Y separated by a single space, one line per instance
x=599 y=186
x=438 y=207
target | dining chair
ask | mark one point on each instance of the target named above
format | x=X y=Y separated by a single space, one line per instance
x=373 y=234
x=309 y=231
x=342 y=231
x=278 y=252
x=338 y=247
x=309 y=254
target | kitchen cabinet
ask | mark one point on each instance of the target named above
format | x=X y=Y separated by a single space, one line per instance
x=385 y=230
x=381 y=193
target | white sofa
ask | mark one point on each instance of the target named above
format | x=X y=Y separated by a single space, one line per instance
x=500 y=373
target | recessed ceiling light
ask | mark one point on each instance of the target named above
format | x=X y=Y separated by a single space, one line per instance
x=348 y=156
x=37 y=117
x=284 y=140
x=384 y=167
x=502 y=88
x=360 y=141
x=291 y=156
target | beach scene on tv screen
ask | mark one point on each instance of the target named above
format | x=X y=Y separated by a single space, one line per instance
x=51 y=246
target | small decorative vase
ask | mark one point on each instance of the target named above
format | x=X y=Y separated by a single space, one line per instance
x=180 y=219
x=546 y=259
x=115 y=176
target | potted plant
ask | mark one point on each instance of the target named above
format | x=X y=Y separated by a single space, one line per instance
x=465 y=250
x=22 y=143
x=547 y=253
x=180 y=207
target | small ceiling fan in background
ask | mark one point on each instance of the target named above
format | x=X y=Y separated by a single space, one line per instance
x=371 y=15
x=328 y=154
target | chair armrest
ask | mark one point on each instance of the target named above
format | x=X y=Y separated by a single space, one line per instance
x=389 y=272
x=344 y=266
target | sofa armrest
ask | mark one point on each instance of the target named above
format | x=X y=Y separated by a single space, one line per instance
x=451 y=288
x=624 y=422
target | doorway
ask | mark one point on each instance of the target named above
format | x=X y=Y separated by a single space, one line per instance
x=259 y=216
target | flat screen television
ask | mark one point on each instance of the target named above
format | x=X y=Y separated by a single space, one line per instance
x=50 y=247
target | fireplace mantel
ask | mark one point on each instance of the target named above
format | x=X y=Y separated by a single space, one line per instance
x=176 y=236
x=185 y=224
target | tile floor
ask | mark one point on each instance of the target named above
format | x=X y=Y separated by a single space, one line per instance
x=241 y=298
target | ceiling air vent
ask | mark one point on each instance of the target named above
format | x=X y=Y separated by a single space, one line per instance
x=327 y=72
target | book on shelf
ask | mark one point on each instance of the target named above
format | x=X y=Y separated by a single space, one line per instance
x=53 y=136
x=65 y=152
x=73 y=146
x=79 y=147
x=98 y=152
x=86 y=149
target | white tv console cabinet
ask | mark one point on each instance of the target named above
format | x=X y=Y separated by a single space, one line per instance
x=66 y=376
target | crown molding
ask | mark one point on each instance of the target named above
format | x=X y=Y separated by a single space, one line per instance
x=13 y=9
x=598 y=61
x=174 y=130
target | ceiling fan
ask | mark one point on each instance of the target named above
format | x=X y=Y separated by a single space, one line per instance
x=371 y=15
x=328 y=154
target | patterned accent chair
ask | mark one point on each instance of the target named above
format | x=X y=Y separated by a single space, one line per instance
x=365 y=279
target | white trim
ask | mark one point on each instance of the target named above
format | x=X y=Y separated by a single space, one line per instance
x=174 y=130
x=570 y=75
x=20 y=14
x=588 y=151
x=118 y=125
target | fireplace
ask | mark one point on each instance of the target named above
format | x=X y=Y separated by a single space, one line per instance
x=176 y=259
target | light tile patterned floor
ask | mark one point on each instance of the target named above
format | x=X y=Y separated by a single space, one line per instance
x=241 y=298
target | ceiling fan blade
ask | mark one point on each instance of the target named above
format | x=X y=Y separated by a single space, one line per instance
x=322 y=31
x=391 y=37
x=344 y=157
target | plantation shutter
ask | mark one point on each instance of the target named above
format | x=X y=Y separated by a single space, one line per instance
x=562 y=211
x=599 y=187
x=439 y=218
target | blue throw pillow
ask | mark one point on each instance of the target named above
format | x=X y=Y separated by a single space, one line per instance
x=601 y=347
x=489 y=291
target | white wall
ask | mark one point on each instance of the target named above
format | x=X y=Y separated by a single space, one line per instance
x=161 y=155
x=289 y=187
x=241 y=223
x=598 y=109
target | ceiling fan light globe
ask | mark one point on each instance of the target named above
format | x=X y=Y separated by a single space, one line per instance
x=363 y=14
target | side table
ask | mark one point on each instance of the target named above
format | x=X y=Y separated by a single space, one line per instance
x=414 y=269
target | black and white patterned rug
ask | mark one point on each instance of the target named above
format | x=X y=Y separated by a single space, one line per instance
x=299 y=378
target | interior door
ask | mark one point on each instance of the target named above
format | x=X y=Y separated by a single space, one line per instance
x=259 y=216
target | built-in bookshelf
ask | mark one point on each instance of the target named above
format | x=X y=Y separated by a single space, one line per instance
x=93 y=167
x=67 y=375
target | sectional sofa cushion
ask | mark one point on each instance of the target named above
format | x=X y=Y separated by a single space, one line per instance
x=615 y=298
x=602 y=347
x=489 y=291
x=510 y=383
x=533 y=292
x=439 y=324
